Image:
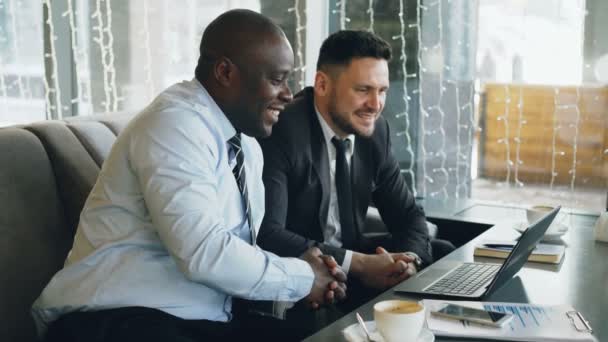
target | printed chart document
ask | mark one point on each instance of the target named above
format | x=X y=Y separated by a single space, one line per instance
x=530 y=322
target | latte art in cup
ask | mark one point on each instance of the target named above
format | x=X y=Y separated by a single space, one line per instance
x=405 y=307
x=399 y=320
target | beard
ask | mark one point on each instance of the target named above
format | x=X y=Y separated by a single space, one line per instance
x=341 y=120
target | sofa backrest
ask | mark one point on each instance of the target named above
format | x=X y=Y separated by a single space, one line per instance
x=77 y=149
x=95 y=137
x=33 y=238
x=47 y=170
x=74 y=168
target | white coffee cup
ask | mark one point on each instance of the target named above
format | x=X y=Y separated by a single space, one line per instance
x=399 y=320
x=536 y=212
x=601 y=228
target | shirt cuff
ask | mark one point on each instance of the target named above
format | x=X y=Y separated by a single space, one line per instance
x=299 y=278
x=348 y=257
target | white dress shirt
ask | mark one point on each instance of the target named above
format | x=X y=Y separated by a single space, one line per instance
x=332 y=234
x=165 y=226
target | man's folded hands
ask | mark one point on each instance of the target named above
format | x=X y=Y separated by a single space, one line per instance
x=330 y=280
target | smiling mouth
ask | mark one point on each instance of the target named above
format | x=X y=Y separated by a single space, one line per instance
x=369 y=117
x=274 y=112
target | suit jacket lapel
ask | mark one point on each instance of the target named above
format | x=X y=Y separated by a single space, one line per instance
x=320 y=160
x=361 y=181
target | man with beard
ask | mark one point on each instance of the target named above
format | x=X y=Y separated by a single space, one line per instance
x=167 y=237
x=328 y=158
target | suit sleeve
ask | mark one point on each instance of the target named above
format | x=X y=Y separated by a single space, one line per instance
x=274 y=235
x=403 y=217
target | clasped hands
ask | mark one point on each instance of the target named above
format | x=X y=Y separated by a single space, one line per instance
x=330 y=280
x=383 y=269
x=380 y=271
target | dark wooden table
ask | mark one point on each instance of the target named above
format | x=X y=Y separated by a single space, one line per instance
x=581 y=280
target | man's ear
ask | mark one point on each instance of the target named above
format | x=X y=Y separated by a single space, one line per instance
x=224 y=71
x=322 y=83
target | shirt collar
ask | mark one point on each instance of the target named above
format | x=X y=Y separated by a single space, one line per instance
x=225 y=126
x=328 y=133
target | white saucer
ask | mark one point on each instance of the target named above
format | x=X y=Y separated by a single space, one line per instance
x=354 y=333
x=555 y=231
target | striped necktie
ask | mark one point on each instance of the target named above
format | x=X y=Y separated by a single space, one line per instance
x=239 y=175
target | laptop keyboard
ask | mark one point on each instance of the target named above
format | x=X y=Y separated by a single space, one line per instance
x=464 y=280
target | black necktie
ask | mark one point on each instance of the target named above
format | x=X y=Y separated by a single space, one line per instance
x=344 y=192
x=239 y=175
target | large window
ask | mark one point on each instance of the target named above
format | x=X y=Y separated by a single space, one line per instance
x=543 y=112
x=22 y=90
x=485 y=95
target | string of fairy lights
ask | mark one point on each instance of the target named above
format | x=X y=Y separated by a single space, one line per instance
x=435 y=177
x=111 y=56
x=576 y=127
x=463 y=148
x=370 y=12
x=300 y=67
x=560 y=109
x=105 y=40
x=3 y=39
x=517 y=139
x=504 y=118
x=55 y=89
x=520 y=113
x=340 y=10
x=431 y=172
x=409 y=171
x=422 y=137
x=458 y=142
x=82 y=98
x=556 y=128
x=3 y=91
x=145 y=32
x=470 y=127
x=441 y=171
x=15 y=42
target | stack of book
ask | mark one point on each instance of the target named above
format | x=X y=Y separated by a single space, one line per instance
x=546 y=253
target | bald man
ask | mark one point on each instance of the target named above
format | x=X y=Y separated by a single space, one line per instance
x=167 y=236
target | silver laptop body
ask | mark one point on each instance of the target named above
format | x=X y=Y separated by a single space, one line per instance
x=460 y=280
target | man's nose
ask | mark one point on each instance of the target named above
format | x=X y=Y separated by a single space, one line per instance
x=286 y=95
x=375 y=101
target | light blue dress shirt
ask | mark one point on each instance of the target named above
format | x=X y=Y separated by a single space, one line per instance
x=165 y=226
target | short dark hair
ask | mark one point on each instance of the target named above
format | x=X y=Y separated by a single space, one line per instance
x=233 y=34
x=341 y=47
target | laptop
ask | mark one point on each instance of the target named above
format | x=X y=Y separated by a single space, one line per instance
x=474 y=280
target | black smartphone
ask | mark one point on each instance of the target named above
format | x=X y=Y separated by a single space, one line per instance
x=480 y=316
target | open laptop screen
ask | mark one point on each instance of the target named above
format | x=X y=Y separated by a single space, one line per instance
x=522 y=250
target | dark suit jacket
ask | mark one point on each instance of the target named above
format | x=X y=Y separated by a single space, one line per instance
x=296 y=177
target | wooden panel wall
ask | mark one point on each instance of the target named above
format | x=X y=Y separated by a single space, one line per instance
x=549 y=125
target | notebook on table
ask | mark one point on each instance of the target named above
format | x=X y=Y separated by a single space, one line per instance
x=544 y=252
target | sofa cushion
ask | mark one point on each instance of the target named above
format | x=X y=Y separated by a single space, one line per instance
x=33 y=238
x=95 y=137
x=116 y=121
x=74 y=168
